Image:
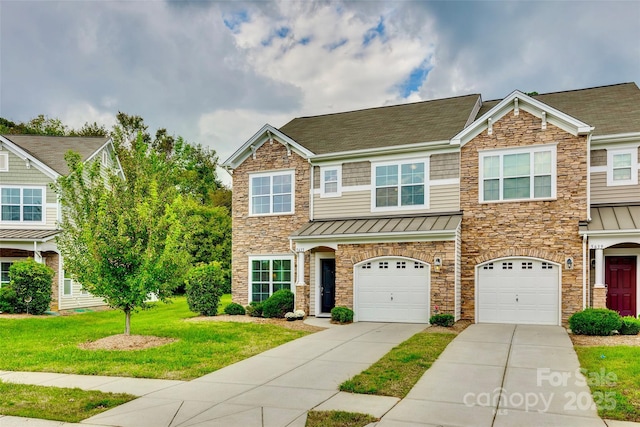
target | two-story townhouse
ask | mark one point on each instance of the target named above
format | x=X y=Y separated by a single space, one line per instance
x=519 y=210
x=29 y=208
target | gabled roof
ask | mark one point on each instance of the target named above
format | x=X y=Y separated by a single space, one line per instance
x=266 y=133
x=519 y=101
x=50 y=150
x=611 y=110
x=427 y=121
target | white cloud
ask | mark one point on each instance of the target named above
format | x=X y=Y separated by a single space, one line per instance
x=77 y=114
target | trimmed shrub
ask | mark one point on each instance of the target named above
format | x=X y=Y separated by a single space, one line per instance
x=234 y=309
x=442 y=319
x=254 y=309
x=630 y=326
x=595 y=321
x=8 y=299
x=204 y=286
x=31 y=281
x=278 y=304
x=341 y=315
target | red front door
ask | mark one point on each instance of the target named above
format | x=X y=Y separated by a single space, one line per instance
x=620 y=277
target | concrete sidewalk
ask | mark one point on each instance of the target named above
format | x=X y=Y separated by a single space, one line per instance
x=490 y=375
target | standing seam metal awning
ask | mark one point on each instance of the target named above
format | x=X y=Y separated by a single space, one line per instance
x=613 y=218
x=375 y=226
x=26 y=234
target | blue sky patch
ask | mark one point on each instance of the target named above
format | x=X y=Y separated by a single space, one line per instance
x=233 y=21
x=333 y=46
x=305 y=40
x=415 y=79
x=372 y=33
x=283 y=32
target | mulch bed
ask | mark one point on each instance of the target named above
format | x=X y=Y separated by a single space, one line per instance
x=610 y=341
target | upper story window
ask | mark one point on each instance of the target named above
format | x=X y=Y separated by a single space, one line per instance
x=330 y=181
x=518 y=174
x=4 y=162
x=400 y=185
x=271 y=193
x=21 y=204
x=622 y=167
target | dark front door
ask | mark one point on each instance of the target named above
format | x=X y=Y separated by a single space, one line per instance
x=327 y=285
x=620 y=277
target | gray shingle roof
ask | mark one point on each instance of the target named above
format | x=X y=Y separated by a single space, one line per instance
x=23 y=234
x=376 y=226
x=382 y=127
x=51 y=150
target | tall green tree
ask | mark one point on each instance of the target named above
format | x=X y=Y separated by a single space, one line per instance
x=124 y=240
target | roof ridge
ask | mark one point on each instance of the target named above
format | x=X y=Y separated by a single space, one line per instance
x=384 y=107
x=569 y=90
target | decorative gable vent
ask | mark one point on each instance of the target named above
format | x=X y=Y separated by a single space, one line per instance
x=4 y=162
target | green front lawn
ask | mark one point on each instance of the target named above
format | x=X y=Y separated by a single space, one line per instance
x=614 y=377
x=62 y=404
x=399 y=370
x=50 y=344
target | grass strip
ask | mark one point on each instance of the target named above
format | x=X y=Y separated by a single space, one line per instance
x=61 y=404
x=613 y=374
x=398 y=371
x=338 y=419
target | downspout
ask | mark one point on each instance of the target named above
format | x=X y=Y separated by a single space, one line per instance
x=589 y=177
x=311 y=191
x=584 y=271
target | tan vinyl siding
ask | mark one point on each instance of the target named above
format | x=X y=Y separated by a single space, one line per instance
x=444 y=198
x=316 y=177
x=356 y=173
x=598 y=157
x=600 y=193
x=351 y=204
x=79 y=300
x=445 y=166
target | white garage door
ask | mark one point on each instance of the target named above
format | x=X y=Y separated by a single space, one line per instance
x=392 y=290
x=518 y=290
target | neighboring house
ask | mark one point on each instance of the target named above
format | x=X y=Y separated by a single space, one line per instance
x=29 y=208
x=520 y=210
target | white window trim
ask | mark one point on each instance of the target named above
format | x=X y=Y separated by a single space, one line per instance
x=290 y=172
x=399 y=162
x=4 y=162
x=338 y=191
x=634 y=166
x=44 y=204
x=270 y=258
x=506 y=151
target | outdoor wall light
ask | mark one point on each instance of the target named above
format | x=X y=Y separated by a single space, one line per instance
x=569 y=263
x=437 y=263
x=593 y=263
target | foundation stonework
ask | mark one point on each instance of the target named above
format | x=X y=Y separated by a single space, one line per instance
x=542 y=229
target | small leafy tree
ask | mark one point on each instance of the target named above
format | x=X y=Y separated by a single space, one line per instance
x=204 y=288
x=121 y=238
x=31 y=282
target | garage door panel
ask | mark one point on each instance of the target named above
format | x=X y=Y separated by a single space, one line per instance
x=518 y=291
x=397 y=293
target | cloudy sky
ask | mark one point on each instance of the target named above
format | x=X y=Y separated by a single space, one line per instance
x=215 y=72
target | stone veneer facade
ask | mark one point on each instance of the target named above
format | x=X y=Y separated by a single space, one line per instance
x=268 y=234
x=543 y=229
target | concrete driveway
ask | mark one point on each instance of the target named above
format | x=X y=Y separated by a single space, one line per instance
x=501 y=375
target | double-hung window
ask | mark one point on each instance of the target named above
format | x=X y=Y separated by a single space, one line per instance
x=269 y=274
x=400 y=185
x=271 y=193
x=518 y=174
x=622 y=166
x=21 y=204
x=4 y=273
x=330 y=181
